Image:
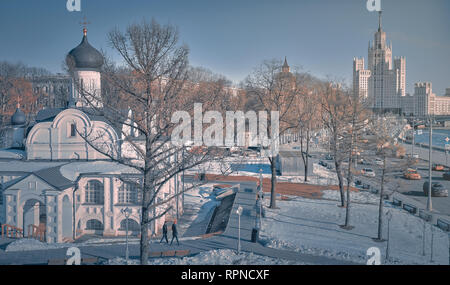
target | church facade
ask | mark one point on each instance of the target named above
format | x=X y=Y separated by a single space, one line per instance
x=53 y=181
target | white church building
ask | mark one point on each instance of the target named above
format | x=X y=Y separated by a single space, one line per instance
x=53 y=182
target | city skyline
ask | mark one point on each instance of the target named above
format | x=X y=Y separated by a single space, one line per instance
x=235 y=39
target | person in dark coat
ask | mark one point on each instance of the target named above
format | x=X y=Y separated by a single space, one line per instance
x=174 y=232
x=164 y=229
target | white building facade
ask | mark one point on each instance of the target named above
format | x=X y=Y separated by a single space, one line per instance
x=63 y=186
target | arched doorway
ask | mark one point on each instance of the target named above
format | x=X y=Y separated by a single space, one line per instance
x=34 y=214
x=67 y=218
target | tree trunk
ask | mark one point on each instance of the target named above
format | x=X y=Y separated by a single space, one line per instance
x=349 y=182
x=380 y=209
x=274 y=182
x=337 y=164
x=144 y=242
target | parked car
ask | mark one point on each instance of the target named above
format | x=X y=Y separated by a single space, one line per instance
x=362 y=161
x=328 y=157
x=412 y=174
x=446 y=176
x=437 y=189
x=323 y=163
x=368 y=172
x=438 y=167
x=378 y=162
x=330 y=166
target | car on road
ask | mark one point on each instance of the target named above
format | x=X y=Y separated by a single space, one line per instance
x=362 y=161
x=446 y=175
x=412 y=174
x=437 y=189
x=368 y=172
x=378 y=162
x=438 y=167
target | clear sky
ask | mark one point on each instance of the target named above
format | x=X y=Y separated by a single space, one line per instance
x=231 y=37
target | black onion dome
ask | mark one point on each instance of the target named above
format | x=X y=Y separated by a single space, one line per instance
x=18 y=118
x=85 y=56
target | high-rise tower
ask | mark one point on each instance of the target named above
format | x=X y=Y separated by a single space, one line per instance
x=383 y=82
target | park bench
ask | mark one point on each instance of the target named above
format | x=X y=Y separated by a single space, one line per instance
x=396 y=202
x=410 y=208
x=425 y=216
x=443 y=225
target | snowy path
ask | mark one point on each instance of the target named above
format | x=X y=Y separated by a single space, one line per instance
x=312 y=226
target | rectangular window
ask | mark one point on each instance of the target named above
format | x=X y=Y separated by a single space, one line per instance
x=32 y=185
x=73 y=130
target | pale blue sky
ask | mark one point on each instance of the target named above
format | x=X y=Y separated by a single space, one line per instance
x=231 y=37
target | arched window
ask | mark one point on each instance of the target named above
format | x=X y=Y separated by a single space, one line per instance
x=133 y=226
x=129 y=194
x=94 y=192
x=94 y=225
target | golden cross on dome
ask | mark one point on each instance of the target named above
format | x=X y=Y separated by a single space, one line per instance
x=84 y=24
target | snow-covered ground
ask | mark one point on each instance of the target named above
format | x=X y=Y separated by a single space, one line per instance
x=363 y=197
x=26 y=244
x=312 y=226
x=212 y=257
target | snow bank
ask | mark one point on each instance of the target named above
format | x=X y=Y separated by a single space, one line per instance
x=213 y=257
x=33 y=244
x=312 y=226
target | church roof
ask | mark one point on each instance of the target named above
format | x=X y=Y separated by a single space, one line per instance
x=285 y=62
x=18 y=118
x=54 y=177
x=84 y=55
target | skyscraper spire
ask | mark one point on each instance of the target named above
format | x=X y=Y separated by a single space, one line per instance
x=379 y=21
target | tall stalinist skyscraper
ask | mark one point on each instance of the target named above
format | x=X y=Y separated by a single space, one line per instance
x=383 y=82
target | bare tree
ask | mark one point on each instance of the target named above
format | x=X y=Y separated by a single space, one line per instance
x=386 y=148
x=336 y=110
x=153 y=83
x=274 y=90
x=308 y=110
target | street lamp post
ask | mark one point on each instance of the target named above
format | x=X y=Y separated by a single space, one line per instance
x=261 y=196
x=389 y=217
x=127 y=213
x=239 y=212
x=430 y=152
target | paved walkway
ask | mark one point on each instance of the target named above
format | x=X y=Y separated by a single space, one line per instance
x=246 y=197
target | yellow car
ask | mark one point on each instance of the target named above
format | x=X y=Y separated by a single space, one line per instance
x=412 y=174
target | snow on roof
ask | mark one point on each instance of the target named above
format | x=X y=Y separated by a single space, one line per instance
x=26 y=166
x=72 y=170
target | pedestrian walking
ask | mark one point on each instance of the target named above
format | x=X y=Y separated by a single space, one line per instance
x=174 y=232
x=164 y=230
